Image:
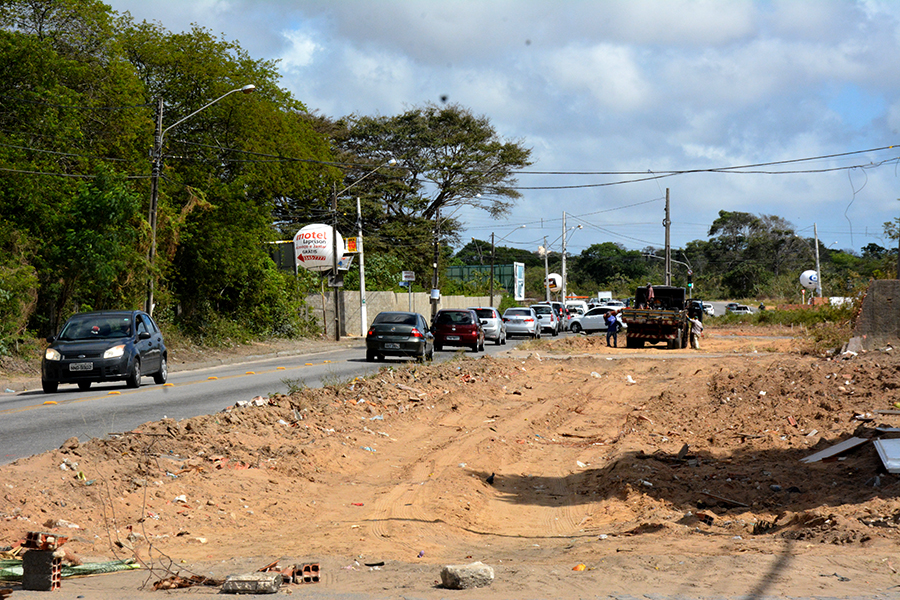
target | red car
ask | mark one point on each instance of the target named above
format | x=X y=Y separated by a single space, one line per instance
x=457 y=327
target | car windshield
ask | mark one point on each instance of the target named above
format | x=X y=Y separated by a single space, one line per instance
x=542 y=310
x=517 y=312
x=395 y=318
x=484 y=313
x=94 y=327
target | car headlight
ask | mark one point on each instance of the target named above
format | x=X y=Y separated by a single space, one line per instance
x=115 y=351
x=52 y=354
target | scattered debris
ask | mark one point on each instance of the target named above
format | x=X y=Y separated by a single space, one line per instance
x=725 y=500
x=462 y=577
x=834 y=450
x=254 y=583
x=177 y=582
x=889 y=452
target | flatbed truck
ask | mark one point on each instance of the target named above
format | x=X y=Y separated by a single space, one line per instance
x=662 y=318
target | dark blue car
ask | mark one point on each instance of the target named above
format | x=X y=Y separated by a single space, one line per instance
x=115 y=345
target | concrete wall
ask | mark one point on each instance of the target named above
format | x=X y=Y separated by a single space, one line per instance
x=377 y=302
x=878 y=324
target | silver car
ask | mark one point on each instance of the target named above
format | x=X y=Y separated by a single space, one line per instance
x=522 y=321
x=492 y=323
x=547 y=315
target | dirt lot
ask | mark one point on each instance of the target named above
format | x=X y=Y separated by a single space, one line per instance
x=673 y=472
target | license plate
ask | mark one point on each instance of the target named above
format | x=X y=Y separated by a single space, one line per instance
x=452 y=338
x=390 y=346
x=81 y=366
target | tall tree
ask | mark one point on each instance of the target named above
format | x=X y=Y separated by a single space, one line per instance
x=447 y=158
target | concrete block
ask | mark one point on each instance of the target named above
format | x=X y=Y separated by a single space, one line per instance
x=462 y=577
x=42 y=570
x=254 y=583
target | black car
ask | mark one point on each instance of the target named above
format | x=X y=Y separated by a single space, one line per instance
x=403 y=334
x=113 y=345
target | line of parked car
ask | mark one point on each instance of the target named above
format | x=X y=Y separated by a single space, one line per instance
x=408 y=334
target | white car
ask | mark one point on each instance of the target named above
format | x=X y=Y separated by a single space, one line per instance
x=593 y=320
x=709 y=309
x=613 y=304
x=741 y=309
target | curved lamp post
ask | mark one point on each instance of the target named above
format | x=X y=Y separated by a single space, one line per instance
x=564 y=236
x=156 y=157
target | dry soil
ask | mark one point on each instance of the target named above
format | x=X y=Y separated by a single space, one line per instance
x=573 y=469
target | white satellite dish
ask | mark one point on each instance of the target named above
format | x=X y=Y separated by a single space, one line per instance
x=809 y=279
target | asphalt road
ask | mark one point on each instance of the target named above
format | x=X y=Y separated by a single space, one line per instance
x=33 y=422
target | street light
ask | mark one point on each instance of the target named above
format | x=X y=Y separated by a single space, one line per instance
x=492 y=260
x=564 y=233
x=363 y=316
x=544 y=251
x=435 y=273
x=154 y=175
x=334 y=256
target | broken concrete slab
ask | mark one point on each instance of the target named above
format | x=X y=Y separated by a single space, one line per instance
x=254 y=583
x=834 y=450
x=463 y=577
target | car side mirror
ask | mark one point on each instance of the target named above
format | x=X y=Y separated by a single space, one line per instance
x=144 y=335
x=51 y=338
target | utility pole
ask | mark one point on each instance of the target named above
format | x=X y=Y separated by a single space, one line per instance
x=334 y=266
x=154 y=200
x=491 y=304
x=546 y=271
x=667 y=223
x=363 y=317
x=564 y=258
x=434 y=275
x=818 y=272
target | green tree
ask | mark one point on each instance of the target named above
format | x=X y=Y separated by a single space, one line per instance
x=226 y=171
x=102 y=252
x=447 y=158
x=607 y=262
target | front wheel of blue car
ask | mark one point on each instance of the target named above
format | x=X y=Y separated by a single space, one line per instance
x=134 y=380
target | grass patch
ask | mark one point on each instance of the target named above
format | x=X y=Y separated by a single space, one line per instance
x=294 y=386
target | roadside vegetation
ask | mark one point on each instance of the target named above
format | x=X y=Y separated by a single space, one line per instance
x=82 y=91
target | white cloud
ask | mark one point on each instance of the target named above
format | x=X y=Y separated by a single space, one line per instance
x=627 y=85
x=300 y=51
x=609 y=73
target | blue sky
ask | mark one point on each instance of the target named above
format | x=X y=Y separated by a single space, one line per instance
x=626 y=87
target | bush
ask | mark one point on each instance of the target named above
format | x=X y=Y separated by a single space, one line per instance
x=18 y=297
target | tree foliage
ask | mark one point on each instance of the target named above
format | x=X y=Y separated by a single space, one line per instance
x=446 y=158
x=79 y=86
